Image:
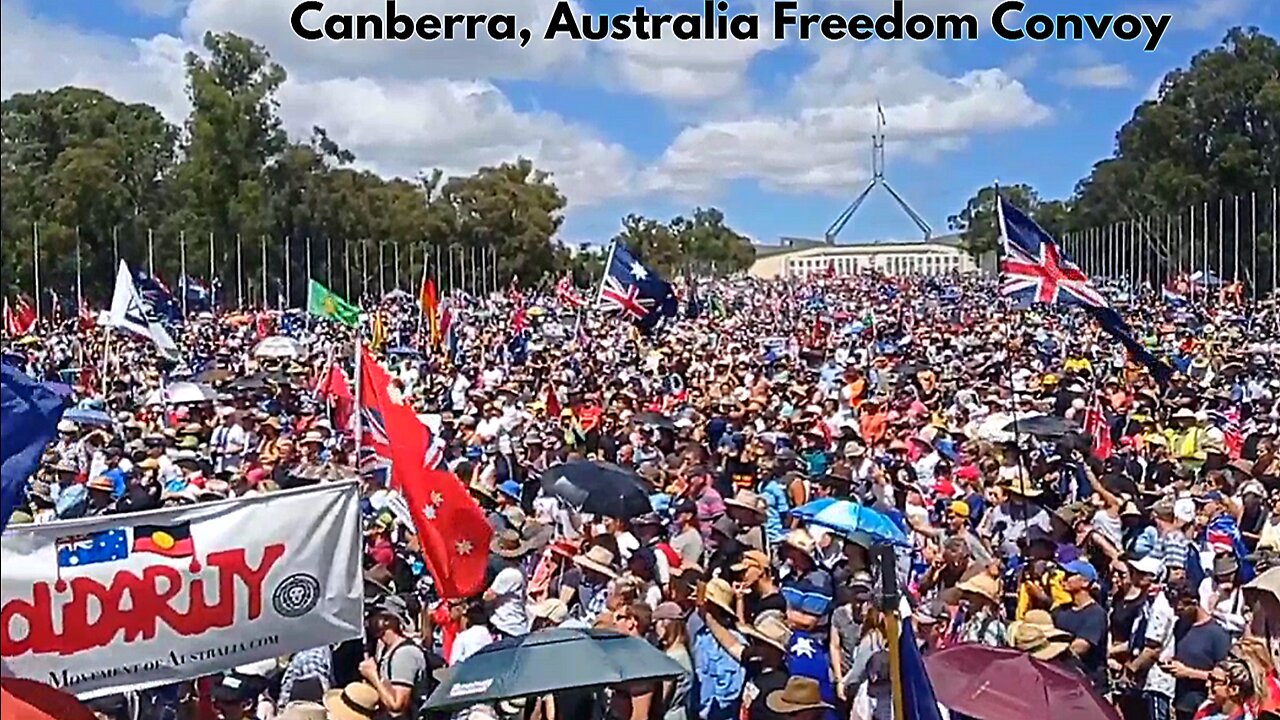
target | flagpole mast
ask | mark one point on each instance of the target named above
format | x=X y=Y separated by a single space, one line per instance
x=358 y=430
x=1013 y=390
x=213 y=292
x=239 y=273
x=266 y=304
x=182 y=261
x=151 y=254
x=35 y=263
x=79 y=283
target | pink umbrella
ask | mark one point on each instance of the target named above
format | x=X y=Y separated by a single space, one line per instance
x=997 y=684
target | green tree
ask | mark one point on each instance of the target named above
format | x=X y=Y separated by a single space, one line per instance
x=976 y=221
x=701 y=243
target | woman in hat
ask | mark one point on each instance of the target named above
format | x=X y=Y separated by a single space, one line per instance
x=1221 y=595
x=672 y=631
x=870 y=667
x=720 y=674
x=589 y=585
x=979 y=619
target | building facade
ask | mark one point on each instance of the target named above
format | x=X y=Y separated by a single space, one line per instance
x=799 y=257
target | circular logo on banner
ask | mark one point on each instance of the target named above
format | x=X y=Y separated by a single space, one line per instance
x=296 y=596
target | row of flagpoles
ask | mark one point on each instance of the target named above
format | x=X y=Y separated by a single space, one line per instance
x=1209 y=243
x=266 y=278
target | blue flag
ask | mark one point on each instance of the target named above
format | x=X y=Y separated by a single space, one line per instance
x=29 y=415
x=919 y=702
x=636 y=291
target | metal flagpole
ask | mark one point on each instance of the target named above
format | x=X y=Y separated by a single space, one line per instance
x=382 y=280
x=79 y=285
x=359 y=383
x=288 y=272
x=1275 y=242
x=364 y=268
x=493 y=268
x=35 y=264
x=1253 y=253
x=1191 y=250
x=266 y=303
x=462 y=270
x=328 y=260
x=151 y=254
x=475 y=287
x=308 y=249
x=212 y=285
x=182 y=268
x=396 y=265
x=1235 y=252
x=239 y=273
x=346 y=266
x=1221 y=236
x=452 y=285
x=1204 y=240
x=483 y=279
x=115 y=246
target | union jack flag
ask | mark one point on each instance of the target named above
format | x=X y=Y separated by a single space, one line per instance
x=1095 y=425
x=636 y=291
x=1034 y=269
x=375 y=444
x=568 y=294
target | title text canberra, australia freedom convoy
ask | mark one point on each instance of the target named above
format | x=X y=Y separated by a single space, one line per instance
x=1009 y=20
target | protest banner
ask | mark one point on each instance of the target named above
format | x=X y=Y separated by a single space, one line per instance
x=115 y=603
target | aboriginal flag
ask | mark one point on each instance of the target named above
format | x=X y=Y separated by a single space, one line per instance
x=168 y=540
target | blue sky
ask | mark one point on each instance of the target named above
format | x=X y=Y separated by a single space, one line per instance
x=775 y=134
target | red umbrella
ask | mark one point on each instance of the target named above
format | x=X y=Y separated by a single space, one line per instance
x=30 y=700
x=997 y=684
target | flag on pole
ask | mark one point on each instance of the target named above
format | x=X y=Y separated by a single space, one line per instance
x=322 y=302
x=568 y=295
x=636 y=291
x=1034 y=269
x=1095 y=426
x=128 y=312
x=452 y=529
x=29 y=415
x=430 y=300
x=378 y=336
x=19 y=319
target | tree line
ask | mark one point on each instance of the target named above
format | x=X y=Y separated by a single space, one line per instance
x=88 y=179
x=1200 y=159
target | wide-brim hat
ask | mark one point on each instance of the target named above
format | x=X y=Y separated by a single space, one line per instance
x=799 y=694
x=983 y=585
x=749 y=501
x=598 y=558
x=770 y=629
x=1022 y=485
x=356 y=701
x=509 y=544
x=720 y=593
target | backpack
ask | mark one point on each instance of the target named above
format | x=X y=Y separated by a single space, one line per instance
x=423 y=686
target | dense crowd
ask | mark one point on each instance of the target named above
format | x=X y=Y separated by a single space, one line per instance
x=1040 y=492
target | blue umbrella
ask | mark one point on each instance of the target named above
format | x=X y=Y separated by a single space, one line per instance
x=82 y=416
x=851 y=519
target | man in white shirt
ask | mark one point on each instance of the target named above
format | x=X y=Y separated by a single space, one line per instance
x=227 y=445
x=506 y=596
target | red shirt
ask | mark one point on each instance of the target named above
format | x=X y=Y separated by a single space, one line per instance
x=449 y=627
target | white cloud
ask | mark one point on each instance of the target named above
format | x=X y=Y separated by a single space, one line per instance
x=268 y=22
x=1208 y=14
x=394 y=125
x=1104 y=76
x=816 y=139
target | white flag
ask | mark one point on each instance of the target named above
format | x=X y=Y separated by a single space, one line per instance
x=128 y=312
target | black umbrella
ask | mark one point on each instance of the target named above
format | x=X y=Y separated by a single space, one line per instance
x=1043 y=426
x=599 y=488
x=656 y=420
x=547 y=661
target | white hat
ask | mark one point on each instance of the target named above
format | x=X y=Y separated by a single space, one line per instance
x=1148 y=566
x=1184 y=510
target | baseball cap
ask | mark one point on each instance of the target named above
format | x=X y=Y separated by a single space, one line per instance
x=1082 y=568
x=959 y=507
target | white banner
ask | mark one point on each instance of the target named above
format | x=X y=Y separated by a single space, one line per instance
x=122 y=602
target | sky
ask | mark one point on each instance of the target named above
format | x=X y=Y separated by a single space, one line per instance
x=777 y=134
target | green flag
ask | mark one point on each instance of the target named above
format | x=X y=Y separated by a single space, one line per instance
x=324 y=303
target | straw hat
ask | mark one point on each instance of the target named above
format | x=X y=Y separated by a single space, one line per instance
x=801 y=540
x=747 y=500
x=981 y=584
x=599 y=559
x=356 y=701
x=552 y=609
x=509 y=544
x=1022 y=485
x=799 y=694
x=770 y=629
x=720 y=593
x=1033 y=640
x=101 y=482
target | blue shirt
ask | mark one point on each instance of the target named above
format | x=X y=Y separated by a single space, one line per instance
x=718 y=678
x=808 y=656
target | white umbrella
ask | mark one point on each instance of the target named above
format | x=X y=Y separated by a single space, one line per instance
x=182 y=392
x=278 y=346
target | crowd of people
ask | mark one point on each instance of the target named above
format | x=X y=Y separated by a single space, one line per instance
x=1055 y=499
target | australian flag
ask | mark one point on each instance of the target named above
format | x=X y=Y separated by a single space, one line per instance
x=93 y=548
x=1034 y=269
x=158 y=298
x=636 y=291
x=199 y=296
